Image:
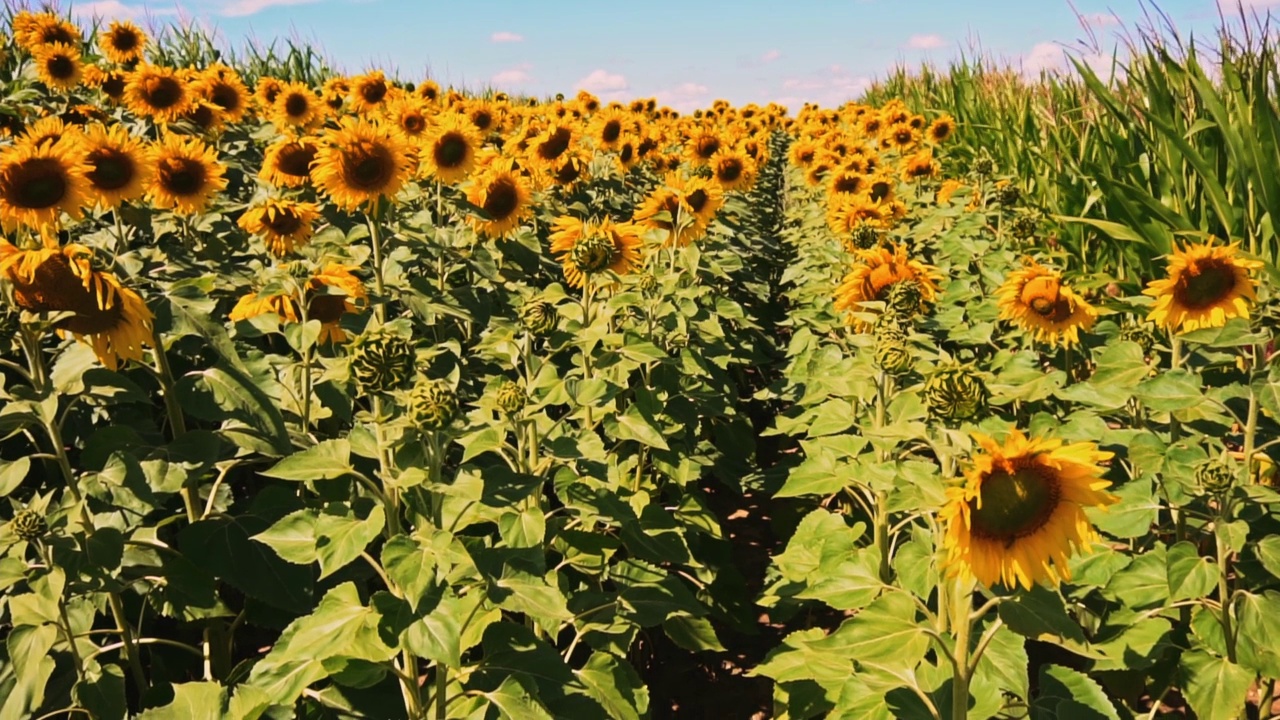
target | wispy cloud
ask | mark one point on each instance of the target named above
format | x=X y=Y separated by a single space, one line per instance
x=770 y=56
x=244 y=8
x=925 y=42
x=504 y=36
x=829 y=87
x=684 y=97
x=112 y=9
x=518 y=75
x=603 y=81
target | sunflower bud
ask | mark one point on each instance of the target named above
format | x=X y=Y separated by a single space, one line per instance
x=511 y=397
x=648 y=283
x=1141 y=333
x=904 y=299
x=1024 y=226
x=29 y=525
x=539 y=317
x=381 y=360
x=955 y=392
x=593 y=253
x=1008 y=195
x=983 y=166
x=892 y=354
x=432 y=404
x=865 y=236
x=1215 y=476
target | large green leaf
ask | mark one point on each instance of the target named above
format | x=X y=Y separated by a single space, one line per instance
x=1215 y=687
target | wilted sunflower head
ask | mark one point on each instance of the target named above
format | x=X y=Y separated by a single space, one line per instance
x=123 y=42
x=875 y=271
x=1206 y=286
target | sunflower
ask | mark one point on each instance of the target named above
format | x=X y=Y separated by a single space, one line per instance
x=503 y=194
x=1207 y=286
x=111 y=82
x=919 y=165
x=52 y=130
x=847 y=215
x=40 y=182
x=733 y=169
x=266 y=91
x=429 y=90
x=369 y=92
x=109 y=317
x=296 y=106
x=222 y=86
x=949 y=188
x=412 y=118
x=35 y=30
x=287 y=162
x=158 y=93
x=484 y=115
x=941 y=129
x=846 y=181
x=330 y=293
x=608 y=126
x=282 y=224
x=1035 y=299
x=702 y=146
x=123 y=42
x=548 y=147
x=589 y=248
x=450 y=149
x=360 y=162
x=900 y=136
x=58 y=66
x=570 y=168
x=205 y=115
x=703 y=198
x=335 y=92
x=803 y=153
x=119 y=165
x=187 y=175
x=1020 y=513
x=875 y=271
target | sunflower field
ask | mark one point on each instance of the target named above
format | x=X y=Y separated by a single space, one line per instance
x=335 y=396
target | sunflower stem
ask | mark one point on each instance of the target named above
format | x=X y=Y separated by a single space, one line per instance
x=64 y=620
x=442 y=684
x=881 y=519
x=375 y=240
x=1251 y=428
x=586 y=351
x=1224 y=588
x=177 y=421
x=962 y=625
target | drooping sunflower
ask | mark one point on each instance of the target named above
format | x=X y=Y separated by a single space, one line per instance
x=1036 y=300
x=504 y=195
x=296 y=106
x=157 y=92
x=449 y=153
x=123 y=42
x=109 y=317
x=703 y=198
x=282 y=224
x=287 y=162
x=1207 y=285
x=733 y=169
x=187 y=175
x=369 y=92
x=586 y=249
x=39 y=182
x=329 y=293
x=1020 y=513
x=58 y=65
x=874 y=272
x=120 y=167
x=360 y=162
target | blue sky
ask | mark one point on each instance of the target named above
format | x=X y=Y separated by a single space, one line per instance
x=686 y=53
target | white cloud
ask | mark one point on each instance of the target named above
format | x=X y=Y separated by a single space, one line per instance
x=684 y=97
x=513 y=75
x=603 y=81
x=505 y=36
x=925 y=42
x=112 y=9
x=1045 y=56
x=829 y=87
x=242 y=8
x=771 y=56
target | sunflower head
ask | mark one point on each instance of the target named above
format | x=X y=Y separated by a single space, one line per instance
x=59 y=66
x=39 y=182
x=873 y=277
x=369 y=92
x=539 y=317
x=119 y=165
x=449 y=151
x=432 y=404
x=1036 y=299
x=123 y=42
x=29 y=525
x=1216 y=476
x=283 y=224
x=510 y=398
x=892 y=353
x=1206 y=286
x=360 y=163
x=955 y=392
x=158 y=92
x=593 y=254
x=187 y=174
x=287 y=162
x=504 y=196
x=382 y=360
x=941 y=130
x=1020 y=513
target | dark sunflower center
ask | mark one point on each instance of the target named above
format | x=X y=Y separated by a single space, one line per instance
x=611 y=131
x=368 y=168
x=296 y=160
x=627 y=153
x=113 y=86
x=847 y=184
x=272 y=92
x=430 y=93
x=414 y=124
x=1015 y=505
x=880 y=190
x=36 y=184
x=450 y=150
x=502 y=200
x=568 y=172
x=903 y=137
x=181 y=176
x=56 y=288
x=327 y=309
x=61 y=67
x=111 y=168
x=647 y=146
x=554 y=146
x=202 y=115
x=296 y=105
x=162 y=92
x=697 y=200
x=806 y=156
x=57 y=34
x=373 y=91
x=225 y=97
x=482 y=119
x=124 y=40
x=941 y=132
x=730 y=170
x=1205 y=283
x=707 y=147
x=284 y=222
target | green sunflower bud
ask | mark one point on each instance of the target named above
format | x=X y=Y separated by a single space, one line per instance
x=1008 y=195
x=904 y=299
x=511 y=397
x=593 y=253
x=955 y=392
x=432 y=404
x=539 y=317
x=381 y=360
x=648 y=283
x=865 y=236
x=983 y=166
x=1142 y=333
x=1215 y=476
x=892 y=354
x=29 y=525
x=1024 y=226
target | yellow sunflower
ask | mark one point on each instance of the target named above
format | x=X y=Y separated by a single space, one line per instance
x=266 y=91
x=120 y=167
x=58 y=66
x=222 y=86
x=109 y=317
x=335 y=92
x=702 y=146
x=846 y=181
x=1020 y=513
x=504 y=195
x=919 y=166
x=449 y=153
x=187 y=175
x=34 y=30
x=681 y=207
x=875 y=270
x=941 y=129
x=52 y=130
x=330 y=293
x=429 y=90
x=369 y=92
x=608 y=127
x=1035 y=299
x=411 y=117
x=360 y=162
x=112 y=83
x=547 y=147
x=158 y=93
x=40 y=182
x=586 y=248
x=570 y=168
x=1207 y=285
x=803 y=153
x=733 y=169
x=123 y=42
x=296 y=106
x=287 y=162
x=282 y=224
